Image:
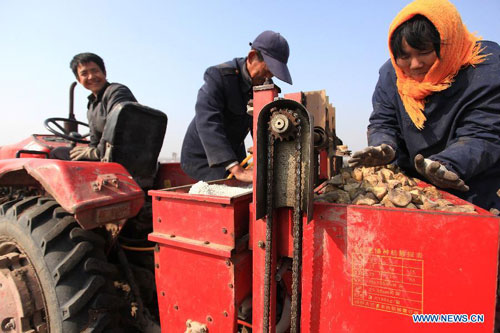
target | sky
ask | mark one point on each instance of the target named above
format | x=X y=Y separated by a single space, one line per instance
x=160 y=50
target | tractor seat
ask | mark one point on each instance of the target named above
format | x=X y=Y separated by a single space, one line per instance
x=133 y=137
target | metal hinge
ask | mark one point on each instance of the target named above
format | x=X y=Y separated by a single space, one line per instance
x=102 y=180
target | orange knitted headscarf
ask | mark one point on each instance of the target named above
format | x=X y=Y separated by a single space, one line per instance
x=459 y=48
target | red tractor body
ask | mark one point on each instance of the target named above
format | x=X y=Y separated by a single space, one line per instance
x=96 y=193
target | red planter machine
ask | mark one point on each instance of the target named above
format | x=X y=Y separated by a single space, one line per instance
x=274 y=261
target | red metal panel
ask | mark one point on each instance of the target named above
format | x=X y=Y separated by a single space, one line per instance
x=72 y=184
x=213 y=219
x=260 y=99
x=367 y=269
x=323 y=165
x=36 y=142
x=201 y=273
x=259 y=256
x=284 y=243
x=9 y=151
x=297 y=97
x=242 y=263
x=193 y=285
x=171 y=175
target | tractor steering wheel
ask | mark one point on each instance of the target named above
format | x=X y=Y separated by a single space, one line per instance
x=63 y=133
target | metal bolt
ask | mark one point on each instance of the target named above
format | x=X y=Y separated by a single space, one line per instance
x=206 y=242
x=228 y=262
x=159 y=220
x=172 y=236
x=226 y=314
x=230 y=285
x=157 y=265
x=261 y=244
x=176 y=307
x=279 y=123
x=10 y=325
x=209 y=319
x=163 y=293
x=224 y=230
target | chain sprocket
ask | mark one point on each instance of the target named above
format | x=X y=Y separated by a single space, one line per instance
x=283 y=124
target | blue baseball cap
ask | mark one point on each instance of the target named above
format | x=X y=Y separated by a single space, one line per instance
x=275 y=51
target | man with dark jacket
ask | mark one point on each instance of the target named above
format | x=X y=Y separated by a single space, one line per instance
x=89 y=70
x=214 y=142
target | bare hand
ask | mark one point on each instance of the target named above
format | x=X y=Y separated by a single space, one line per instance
x=372 y=156
x=438 y=175
x=245 y=175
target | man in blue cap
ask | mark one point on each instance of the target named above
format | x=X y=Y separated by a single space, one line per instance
x=214 y=142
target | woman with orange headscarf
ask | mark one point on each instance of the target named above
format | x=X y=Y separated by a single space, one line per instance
x=436 y=106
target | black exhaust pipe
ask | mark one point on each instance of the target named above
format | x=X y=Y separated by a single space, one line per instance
x=71 y=127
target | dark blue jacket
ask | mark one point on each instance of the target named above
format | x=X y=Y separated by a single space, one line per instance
x=462 y=130
x=216 y=135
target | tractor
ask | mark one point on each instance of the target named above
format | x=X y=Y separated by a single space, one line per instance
x=114 y=245
x=60 y=221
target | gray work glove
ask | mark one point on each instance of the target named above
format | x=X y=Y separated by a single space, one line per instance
x=372 y=156
x=84 y=153
x=438 y=175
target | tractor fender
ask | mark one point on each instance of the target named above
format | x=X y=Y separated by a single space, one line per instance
x=95 y=192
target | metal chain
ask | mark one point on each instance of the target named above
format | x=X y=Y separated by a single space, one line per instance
x=269 y=232
x=297 y=234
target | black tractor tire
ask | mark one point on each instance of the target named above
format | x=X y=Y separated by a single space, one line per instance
x=69 y=263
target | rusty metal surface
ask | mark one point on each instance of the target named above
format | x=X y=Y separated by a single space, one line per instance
x=22 y=304
x=297 y=237
x=195 y=327
x=284 y=146
x=270 y=253
x=284 y=155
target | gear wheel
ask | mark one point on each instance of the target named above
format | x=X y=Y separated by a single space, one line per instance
x=283 y=124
